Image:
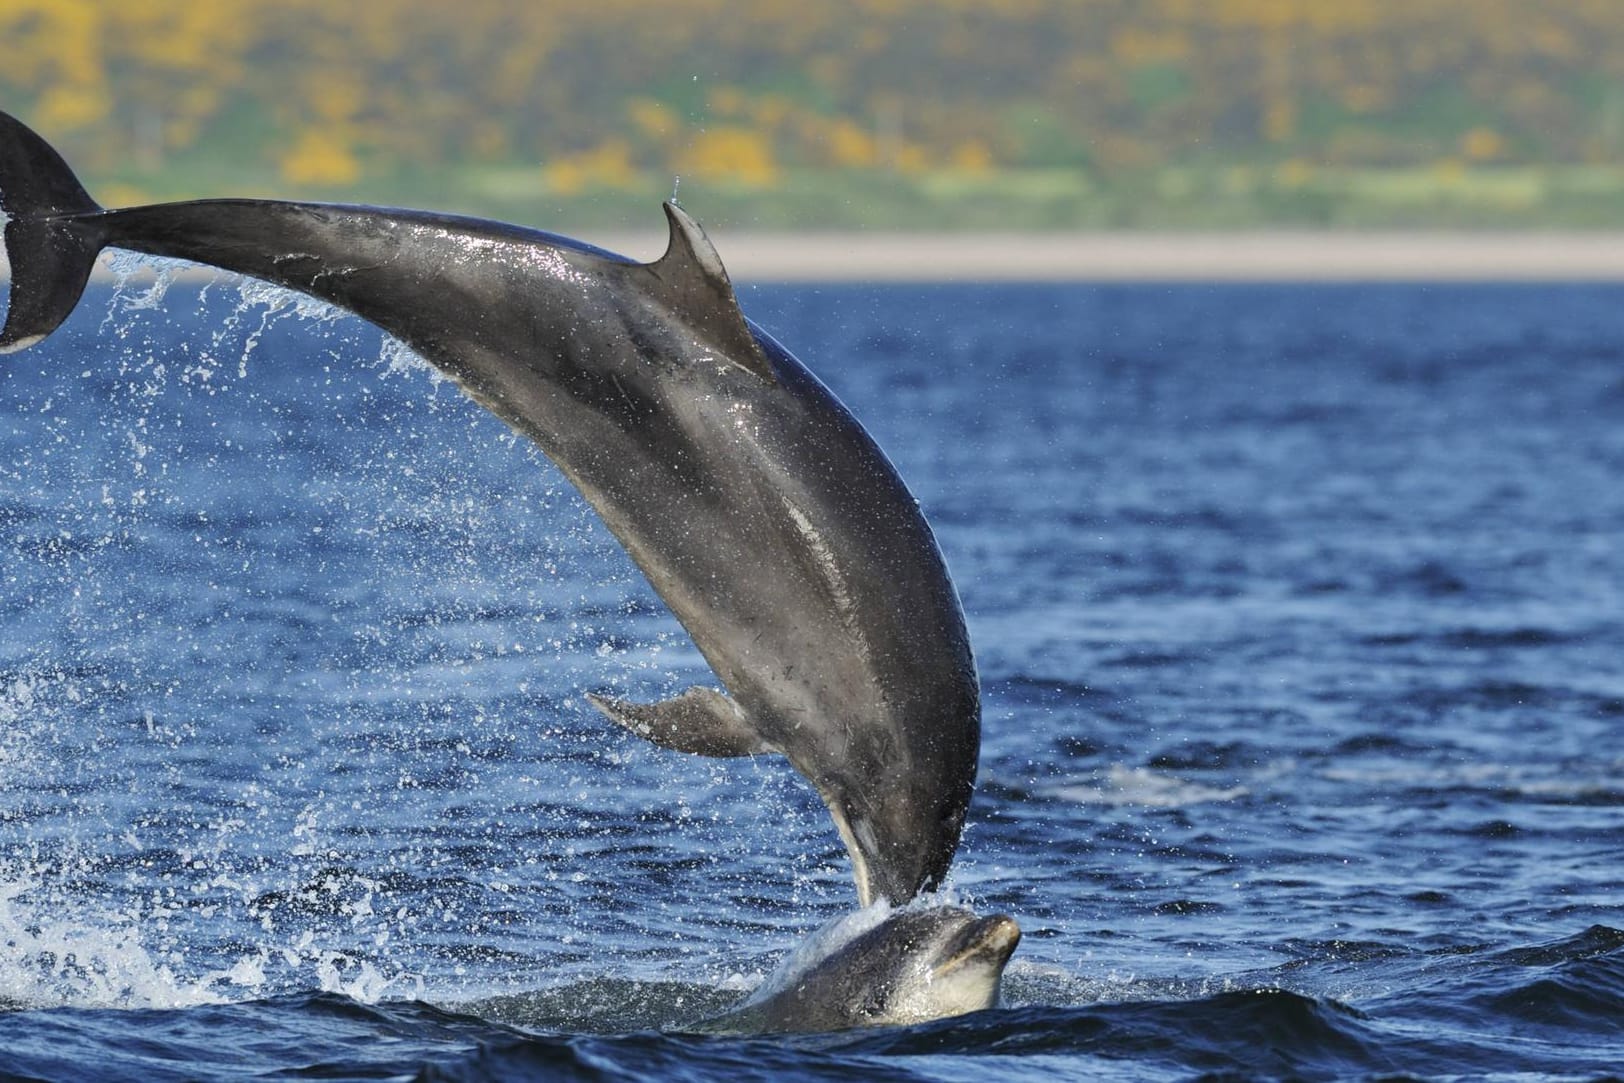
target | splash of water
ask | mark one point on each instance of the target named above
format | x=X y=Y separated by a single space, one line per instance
x=139 y=281
x=399 y=359
x=88 y=959
x=46 y=960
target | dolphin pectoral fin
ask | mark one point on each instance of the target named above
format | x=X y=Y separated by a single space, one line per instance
x=702 y=721
x=691 y=280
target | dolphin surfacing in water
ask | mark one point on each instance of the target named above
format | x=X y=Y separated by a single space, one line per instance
x=912 y=966
x=762 y=513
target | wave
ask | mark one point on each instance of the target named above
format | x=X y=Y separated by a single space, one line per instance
x=1543 y=1009
x=610 y=1005
x=1242 y=1033
x=1588 y=784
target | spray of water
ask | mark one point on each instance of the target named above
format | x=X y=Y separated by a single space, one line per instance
x=293 y=719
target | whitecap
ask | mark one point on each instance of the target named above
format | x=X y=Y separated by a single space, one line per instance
x=1141 y=786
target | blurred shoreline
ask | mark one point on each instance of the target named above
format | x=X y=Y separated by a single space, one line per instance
x=1261 y=256
x=1162 y=257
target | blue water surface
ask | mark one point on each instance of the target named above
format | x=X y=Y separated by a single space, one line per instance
x=1300 y=619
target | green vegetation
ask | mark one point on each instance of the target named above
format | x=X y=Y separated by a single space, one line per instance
x=918 y=114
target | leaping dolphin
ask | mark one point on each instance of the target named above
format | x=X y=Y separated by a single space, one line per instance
x=760 y=510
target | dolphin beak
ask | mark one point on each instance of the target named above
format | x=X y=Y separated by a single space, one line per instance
x=896 y=851
x=895 y=865
x=988 y=941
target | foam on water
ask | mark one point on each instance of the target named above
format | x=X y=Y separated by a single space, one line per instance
x=1124 y=785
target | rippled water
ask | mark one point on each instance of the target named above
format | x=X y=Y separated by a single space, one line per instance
x=1300 y=617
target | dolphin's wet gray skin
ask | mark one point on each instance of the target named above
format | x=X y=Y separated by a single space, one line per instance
x=759 y=509
x=914 y=966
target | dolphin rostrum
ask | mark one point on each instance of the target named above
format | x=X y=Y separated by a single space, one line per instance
x=760 y=510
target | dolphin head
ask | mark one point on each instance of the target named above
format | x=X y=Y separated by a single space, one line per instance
x=899 y=785
x=911 y=966
x=924 y=964
x=901 y=837
x=967 y=957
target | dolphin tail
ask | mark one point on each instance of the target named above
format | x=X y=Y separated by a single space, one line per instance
x=50 y=237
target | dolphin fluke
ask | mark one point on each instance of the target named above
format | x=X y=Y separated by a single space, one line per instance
x=52 y=249
x=34 y=180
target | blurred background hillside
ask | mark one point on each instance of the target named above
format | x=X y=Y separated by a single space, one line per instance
x=915 y=114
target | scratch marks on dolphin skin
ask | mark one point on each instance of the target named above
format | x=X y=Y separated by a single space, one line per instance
x=826 y=564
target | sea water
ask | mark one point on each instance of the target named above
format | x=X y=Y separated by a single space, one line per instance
x=1299 y=614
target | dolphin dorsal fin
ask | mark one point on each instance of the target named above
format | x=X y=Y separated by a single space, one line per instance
x=691 y=279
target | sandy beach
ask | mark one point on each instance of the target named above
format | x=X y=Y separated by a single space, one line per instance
x=1150 y=257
